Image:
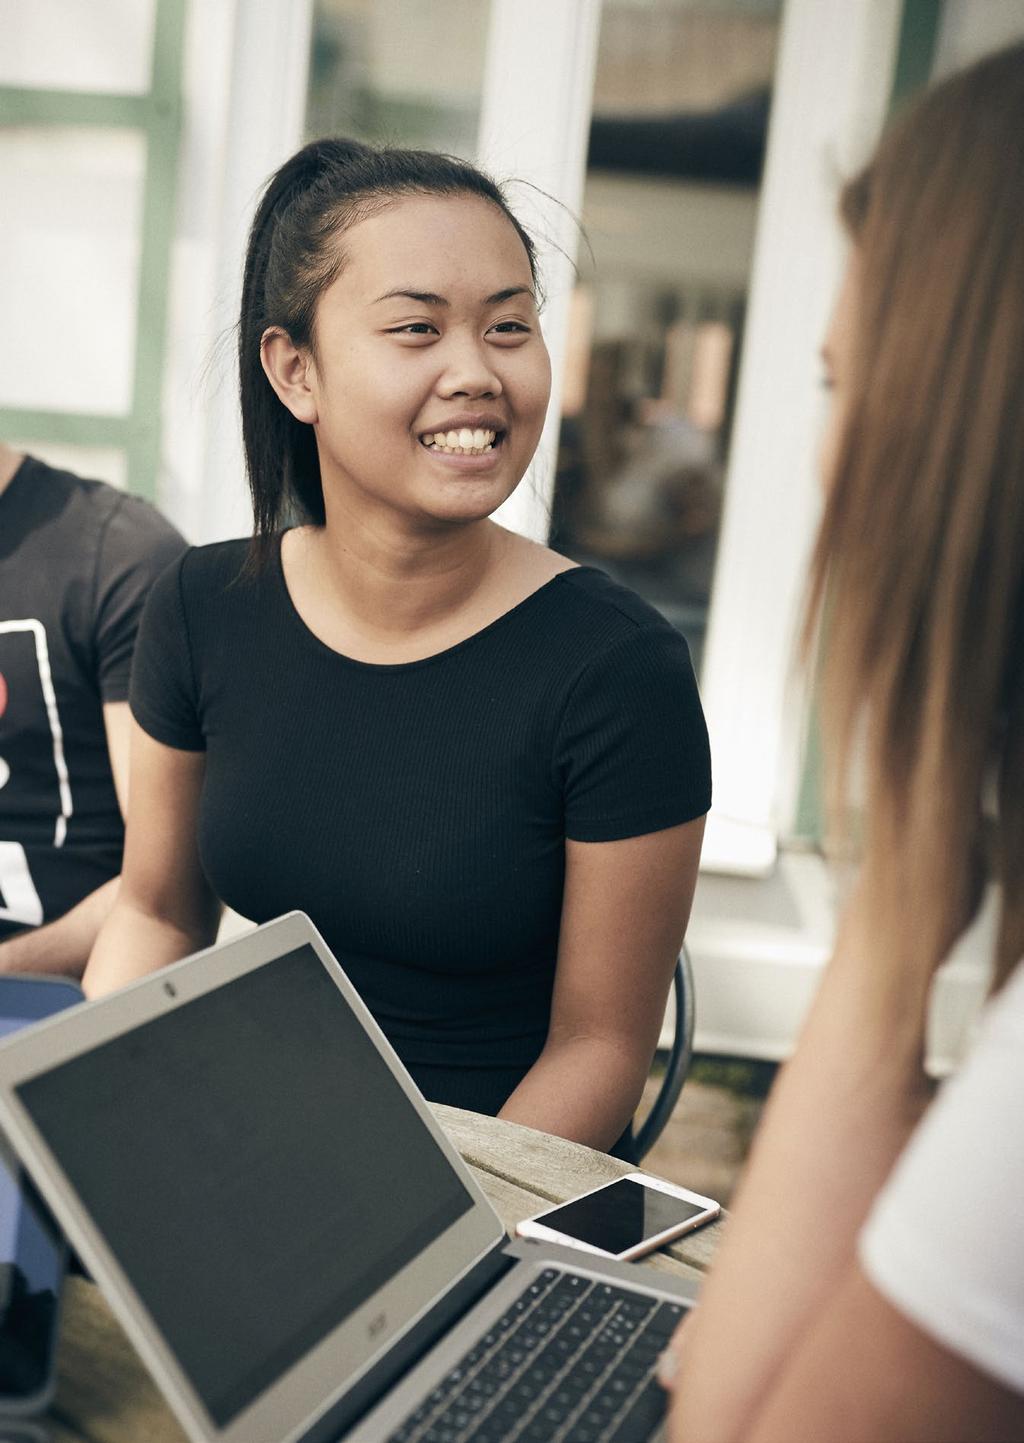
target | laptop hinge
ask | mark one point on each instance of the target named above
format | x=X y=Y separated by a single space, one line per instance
x=408 y=1350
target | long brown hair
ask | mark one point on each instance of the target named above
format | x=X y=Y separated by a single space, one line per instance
x=921 y=548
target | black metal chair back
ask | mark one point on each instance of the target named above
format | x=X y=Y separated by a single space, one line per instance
x=679 y=1058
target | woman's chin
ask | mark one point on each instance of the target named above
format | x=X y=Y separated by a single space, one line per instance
x=466 y=502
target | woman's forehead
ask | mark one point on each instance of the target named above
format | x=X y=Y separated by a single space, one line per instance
x=434 y=243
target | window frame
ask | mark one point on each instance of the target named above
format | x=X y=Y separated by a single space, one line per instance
x=158 y=115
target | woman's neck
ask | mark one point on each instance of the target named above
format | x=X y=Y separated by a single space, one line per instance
x=372 y=595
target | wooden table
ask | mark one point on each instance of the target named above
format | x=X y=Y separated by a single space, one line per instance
x=105 y=1395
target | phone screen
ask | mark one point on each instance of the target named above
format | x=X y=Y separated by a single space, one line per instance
x=32 y=1250
x=620 y=1216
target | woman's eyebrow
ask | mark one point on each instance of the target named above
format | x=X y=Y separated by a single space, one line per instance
x=507 y=294
x=425 y=298
x=429 y=298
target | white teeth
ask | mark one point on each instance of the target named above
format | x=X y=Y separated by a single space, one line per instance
x=463 y=442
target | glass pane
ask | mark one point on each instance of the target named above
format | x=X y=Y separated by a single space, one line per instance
x=676 y=147
x=102 y=45
x=95 y=463
x=401 y=71
x=69 y=267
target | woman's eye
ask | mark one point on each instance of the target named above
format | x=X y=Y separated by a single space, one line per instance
x=414 y=328
x=511 y=328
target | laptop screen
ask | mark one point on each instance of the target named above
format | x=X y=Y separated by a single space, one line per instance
x=253 y=1165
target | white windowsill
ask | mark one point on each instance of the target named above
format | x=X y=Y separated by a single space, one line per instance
x=759 y=945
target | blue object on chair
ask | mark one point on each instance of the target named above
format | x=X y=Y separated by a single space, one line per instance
x=679 y=1059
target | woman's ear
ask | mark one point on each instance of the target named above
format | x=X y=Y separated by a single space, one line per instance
x=288 y=371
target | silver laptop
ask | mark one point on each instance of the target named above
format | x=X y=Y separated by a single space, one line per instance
x=287 y=1236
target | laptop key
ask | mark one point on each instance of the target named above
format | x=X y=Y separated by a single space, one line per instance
x=641 y=1417
x=638 y=1307
x=667 y=1319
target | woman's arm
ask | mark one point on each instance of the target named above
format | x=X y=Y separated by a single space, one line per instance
x=624 y=914
x=165 y=908
x=839 y=1115
x=863 y=1372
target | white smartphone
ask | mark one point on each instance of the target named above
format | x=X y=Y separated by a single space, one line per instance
x=623 y=1219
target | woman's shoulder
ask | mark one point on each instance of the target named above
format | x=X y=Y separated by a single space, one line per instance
x=600 y=597
x=215 y=562
x=581 y=598
x=954 y=1195
x=585 y=614
x=208 y=587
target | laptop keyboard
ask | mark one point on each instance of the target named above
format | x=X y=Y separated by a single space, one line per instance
x=571 y=1361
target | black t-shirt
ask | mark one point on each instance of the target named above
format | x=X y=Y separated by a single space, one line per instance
x=77 y=559
x=418 y=812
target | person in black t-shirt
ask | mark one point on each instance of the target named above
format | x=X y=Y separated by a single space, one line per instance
x=482 y=770
x=77 y=559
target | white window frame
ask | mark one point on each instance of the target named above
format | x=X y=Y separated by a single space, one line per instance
x=832 y=84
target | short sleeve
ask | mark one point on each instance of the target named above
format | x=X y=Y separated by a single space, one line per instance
x=632 y=751
x=137 y=544
x=944 y=1242
x=164 y=696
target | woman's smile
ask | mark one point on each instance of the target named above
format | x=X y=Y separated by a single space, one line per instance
x=466 y=440
x=463 y=442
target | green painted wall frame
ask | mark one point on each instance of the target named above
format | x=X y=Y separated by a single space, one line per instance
x=158 y=116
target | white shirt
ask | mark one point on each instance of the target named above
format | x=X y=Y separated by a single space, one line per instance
x=944 y=1242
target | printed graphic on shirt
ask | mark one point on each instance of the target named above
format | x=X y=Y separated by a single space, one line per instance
x=35 y=796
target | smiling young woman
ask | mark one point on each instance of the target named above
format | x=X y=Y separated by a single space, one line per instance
x=480 y=769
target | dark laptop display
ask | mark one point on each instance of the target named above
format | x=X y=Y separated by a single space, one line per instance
x=274 y=1173
x=289 y=1238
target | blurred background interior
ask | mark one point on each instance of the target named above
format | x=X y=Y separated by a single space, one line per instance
x=679 y=160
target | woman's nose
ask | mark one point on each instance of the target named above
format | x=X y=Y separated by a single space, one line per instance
x=468 y=371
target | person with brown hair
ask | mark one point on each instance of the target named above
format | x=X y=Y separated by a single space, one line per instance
x=872 y=1282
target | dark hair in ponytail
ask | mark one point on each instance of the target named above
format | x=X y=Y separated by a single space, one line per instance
x=292 y=257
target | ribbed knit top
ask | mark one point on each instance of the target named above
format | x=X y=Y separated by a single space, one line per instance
x=418 y=812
